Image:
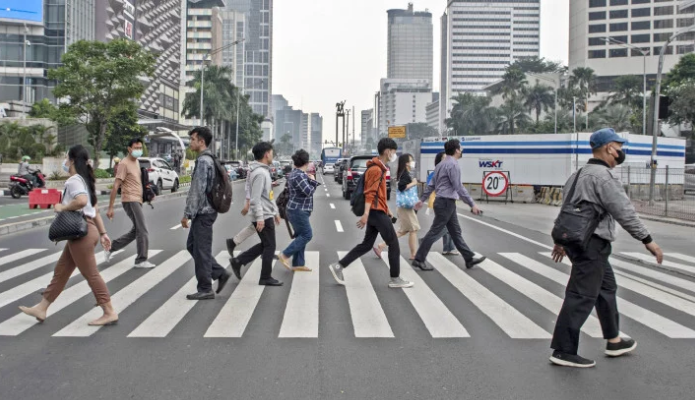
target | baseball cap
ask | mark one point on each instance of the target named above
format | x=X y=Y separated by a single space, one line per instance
x=603 y=137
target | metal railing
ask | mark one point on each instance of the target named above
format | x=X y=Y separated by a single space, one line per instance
x=674 y=195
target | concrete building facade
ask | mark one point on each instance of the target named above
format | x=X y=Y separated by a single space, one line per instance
x=410 y=44
x=403 y=101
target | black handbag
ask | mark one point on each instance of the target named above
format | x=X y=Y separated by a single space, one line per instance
x=68 y=225
x=576 y=222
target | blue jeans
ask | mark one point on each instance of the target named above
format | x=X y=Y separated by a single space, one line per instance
x=303 y=234
x=448 y=243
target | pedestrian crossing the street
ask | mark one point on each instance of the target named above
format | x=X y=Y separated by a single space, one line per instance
x=661 y=302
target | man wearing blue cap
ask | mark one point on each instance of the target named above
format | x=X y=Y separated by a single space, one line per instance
x=592 y=282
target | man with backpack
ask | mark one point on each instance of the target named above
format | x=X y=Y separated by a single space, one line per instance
x=264 y=215
x=377 y=217
x=129 y=181
x=202 y=207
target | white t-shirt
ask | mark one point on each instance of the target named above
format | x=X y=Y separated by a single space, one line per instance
x=75 y=186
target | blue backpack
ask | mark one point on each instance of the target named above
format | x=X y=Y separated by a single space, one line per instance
x=357 y=201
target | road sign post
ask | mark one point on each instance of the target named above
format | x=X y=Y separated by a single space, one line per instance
x=495 y=184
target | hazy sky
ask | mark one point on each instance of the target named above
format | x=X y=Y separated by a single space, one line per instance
x=329 y=51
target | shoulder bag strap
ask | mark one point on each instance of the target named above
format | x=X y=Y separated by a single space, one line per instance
x=570 y=194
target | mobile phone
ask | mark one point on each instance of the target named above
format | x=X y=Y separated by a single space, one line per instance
x=394 y=219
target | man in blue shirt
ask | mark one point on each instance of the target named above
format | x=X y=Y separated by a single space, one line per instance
x=446 y=183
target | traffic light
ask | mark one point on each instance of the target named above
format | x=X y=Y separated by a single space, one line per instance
x=663 y=107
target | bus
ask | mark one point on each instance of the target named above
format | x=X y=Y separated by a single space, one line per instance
x=329 y=155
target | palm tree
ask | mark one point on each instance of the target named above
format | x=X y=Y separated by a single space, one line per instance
x=511 y=115
x=218 y=100
x=539 y=98
x=616 y=116
x=584 y=80
x=627 y=90
x=471 y=115
x=513 y=82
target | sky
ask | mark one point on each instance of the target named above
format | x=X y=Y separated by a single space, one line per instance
x=329 y=51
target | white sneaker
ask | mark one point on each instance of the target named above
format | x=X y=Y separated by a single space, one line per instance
x=145 y=265
x=400 y=283
x=107 y=256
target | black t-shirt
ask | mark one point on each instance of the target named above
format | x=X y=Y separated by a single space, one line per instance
x=404 y=181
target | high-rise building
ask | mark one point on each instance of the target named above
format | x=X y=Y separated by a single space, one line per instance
x=233 y=30
x=316 y=128
x=258 y=48
x=645 y=24
x=410 y=44
x=403 y=101
x=483 y=37
x=433 y=113
x=366 y=118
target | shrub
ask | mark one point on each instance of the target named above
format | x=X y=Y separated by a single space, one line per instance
x=56 y=176
x=101 y=174
x=185 y=179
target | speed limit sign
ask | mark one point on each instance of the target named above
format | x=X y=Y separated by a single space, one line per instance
x=495 y=184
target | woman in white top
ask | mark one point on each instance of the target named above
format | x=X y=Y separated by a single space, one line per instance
x=80 y=195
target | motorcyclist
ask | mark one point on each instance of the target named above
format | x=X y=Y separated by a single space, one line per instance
x=26 y=172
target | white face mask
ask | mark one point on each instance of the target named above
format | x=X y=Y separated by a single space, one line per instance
x=412 y=165
x=393 y=157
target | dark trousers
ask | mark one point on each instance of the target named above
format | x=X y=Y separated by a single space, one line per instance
x=378 y=223
x=200 y=246
x=266 y=249
x=445 y=220
x=592 y=284
x=138 y=232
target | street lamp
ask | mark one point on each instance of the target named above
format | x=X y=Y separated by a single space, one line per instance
x=657 y=91
x=202 y=72
x=610 y=40
x=24 y=79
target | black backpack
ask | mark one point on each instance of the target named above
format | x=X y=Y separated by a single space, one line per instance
x=220 y=195
x=148 y=193
x=357 y=201
x=282 y=201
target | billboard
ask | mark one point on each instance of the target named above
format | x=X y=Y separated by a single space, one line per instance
x=27 y=11
x=397 y=132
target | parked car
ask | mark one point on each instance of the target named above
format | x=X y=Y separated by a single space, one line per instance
x=340 y=167
x=355 y=169
x=286 y=166
x=161 y=174
x=328 y=169
x=231 y=172
x=239 y=166
x=689 y=179
x=276 y=170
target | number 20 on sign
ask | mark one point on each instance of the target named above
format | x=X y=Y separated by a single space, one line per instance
x=495 y=184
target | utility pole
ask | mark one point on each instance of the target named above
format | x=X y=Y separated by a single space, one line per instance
x=339 y=113
x=346 y=132
x=353 y=127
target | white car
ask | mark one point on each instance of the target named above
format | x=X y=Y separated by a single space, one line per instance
x=329 y=169
x=161 y=174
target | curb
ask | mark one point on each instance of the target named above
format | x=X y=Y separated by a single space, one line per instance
x=689 y=224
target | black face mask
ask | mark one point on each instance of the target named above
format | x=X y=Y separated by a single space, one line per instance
x=621 y=156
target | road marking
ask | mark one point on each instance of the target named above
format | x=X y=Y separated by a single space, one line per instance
x=645 y=317
x=510 y=320
x=21 y=322
x=165 y=319
x=542 y=297
x=28 y=267
x=127 y=296
x=238 y=310
x=650 y=259
x=368 y=318
x=516 y=235
x=30 y=287
x=332 y=206
x=440 y=322
x=672 y=280
x=328 y=195
x=682 y=257
x=301 y=319
x=19 y=255
x=339 y=226
x=175 y=227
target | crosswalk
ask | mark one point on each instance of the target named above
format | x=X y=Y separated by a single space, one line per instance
x=651 y=299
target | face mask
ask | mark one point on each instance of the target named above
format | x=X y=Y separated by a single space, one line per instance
x=393 y=157
x=412 y=165
x=621 y=156
x=136 y=153
x=66 y=168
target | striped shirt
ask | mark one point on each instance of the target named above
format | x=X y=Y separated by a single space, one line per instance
x=301 y=191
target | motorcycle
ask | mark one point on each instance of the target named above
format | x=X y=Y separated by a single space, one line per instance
x=20 y=185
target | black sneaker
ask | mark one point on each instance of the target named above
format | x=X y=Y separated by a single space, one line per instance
x=422 y=265
x=222 y=281
x=236 y=268
x=201 y=296
x=230 y=247
x=571 y=360
x=270 y=282
x=472 y=263
x=621 y=348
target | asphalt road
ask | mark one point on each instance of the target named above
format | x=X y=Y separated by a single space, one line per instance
x=478 y=334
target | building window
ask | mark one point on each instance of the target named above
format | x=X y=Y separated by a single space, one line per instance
x=663 y=24
x=597 y=16
x=597 y=54
x=597 y=28
x=686 y=22
x=596 y=41
x=614 y=53
x=618 y=2
x=641 y=25
x=617 y=14
x=642 y=1
x=641 y=12
x=620 y=38
x=597 y=3
x=685 y=49
x=636 y=53
x=667 y=10
x=621 y=27
x=657 y=50
x=662 y=37
x=640 y=38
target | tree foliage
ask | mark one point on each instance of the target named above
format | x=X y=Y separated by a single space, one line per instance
x=682 y=73
x=471 y=115
x=539 y=98
x=122 y=127
x=538 y=65
x=97 y=80
x=33 y=141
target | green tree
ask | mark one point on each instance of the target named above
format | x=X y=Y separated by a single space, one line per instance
x=511 y=117
x=43 y=109
x=513 y=83
x=219 y=97
x=97 y=80
x=538 y=65
x=285 y=146
x=419 y=130
x=681 y=73
x=471 y=115
x=682 y=106
x=627 y=91
x=122 y=127
x=584 y=80
x=539 y=98
x=616 y=116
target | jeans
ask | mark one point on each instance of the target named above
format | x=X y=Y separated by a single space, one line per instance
x=303 y=234
x=266 y=248
x=445 y=219
x=199 y=245
x=591 y=284
x=448 y=243
x=378 y=223
x=138 y=232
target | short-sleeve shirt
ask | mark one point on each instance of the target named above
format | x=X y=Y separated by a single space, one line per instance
x=131 y=182
x=75 y=186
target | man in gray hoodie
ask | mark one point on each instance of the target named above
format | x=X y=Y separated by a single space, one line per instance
x=592 y=282
x=264 y=215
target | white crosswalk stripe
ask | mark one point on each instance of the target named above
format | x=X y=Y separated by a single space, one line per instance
x=682 y=257
x=650 y=259
x=303 y=310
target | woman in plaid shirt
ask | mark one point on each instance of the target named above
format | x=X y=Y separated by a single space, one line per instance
x=299 y=208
